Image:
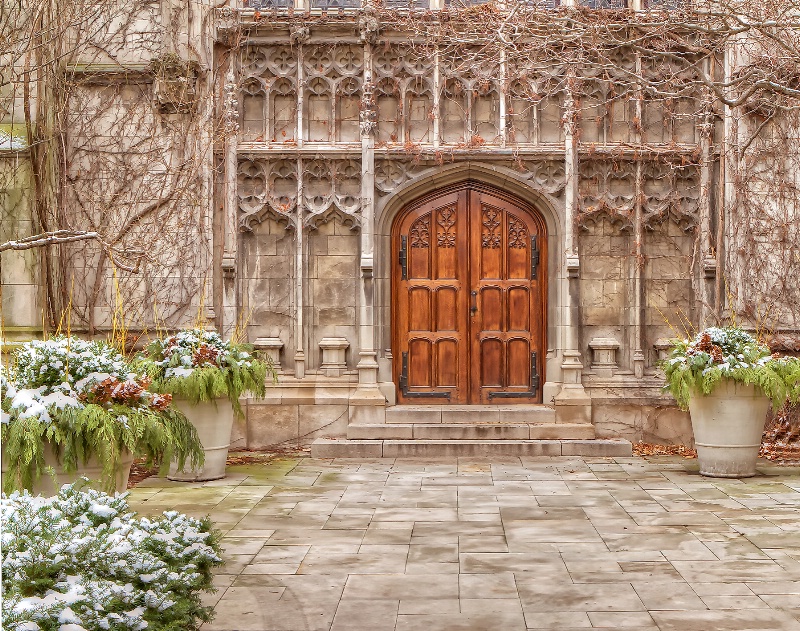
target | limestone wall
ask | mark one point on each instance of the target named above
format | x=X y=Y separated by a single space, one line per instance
x=256 y=165
x=19 y=272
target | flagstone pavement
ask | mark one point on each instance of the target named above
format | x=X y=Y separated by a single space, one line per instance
x=502 y=544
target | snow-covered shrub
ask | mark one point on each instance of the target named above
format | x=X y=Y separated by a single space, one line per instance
x=81 y=560
x=200 y=366
x=696 y=366
x=84 y=399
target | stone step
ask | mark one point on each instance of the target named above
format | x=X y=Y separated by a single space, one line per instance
x=475 y=431
x=346 y=448
x=470 y=414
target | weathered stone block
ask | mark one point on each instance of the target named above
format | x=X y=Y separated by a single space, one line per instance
x=602 y=316
x=669 y=267
x=603 y=267
x=463 y=431
x=413 y=414
x=526 y=414
x=380 y=432
x=597 y=447
x=280 y=293
x=332 y=448
x=343 y=245
x=470 y=414
x=334 y=293
x=562 y=431
x=271 y=425
x=336 y=267
x=322 y=420
x=335 y=316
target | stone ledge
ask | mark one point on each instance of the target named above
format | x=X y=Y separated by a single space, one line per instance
x=332 y=448
x=470 y=414
x=463 y=431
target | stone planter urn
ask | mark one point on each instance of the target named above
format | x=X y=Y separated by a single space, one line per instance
x=213 y=421
x=728 y=425
x=50 y=485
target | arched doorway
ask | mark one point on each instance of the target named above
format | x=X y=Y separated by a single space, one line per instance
x=469 y=298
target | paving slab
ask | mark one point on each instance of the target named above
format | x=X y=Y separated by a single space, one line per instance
x=487 y=543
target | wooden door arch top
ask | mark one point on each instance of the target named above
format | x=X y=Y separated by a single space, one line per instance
x=469 y=298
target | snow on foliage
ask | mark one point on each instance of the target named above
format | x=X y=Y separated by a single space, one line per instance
x=82 y=561
x=200 y=366
x=696 y=366
x=83 y=398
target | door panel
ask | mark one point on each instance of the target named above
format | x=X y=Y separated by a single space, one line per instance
x=509 y=318
x=468 y=299
x=430 y=314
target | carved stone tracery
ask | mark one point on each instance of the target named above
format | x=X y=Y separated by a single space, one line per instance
x=403 y=97
x=333 y=75
x=266 y=189
x=269 y=90
x=332 y=188
x=607 y=189
x=546 y=175
x=670 y=192
x=391 y=174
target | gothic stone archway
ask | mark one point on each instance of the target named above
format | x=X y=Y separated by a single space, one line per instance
x=469 y=288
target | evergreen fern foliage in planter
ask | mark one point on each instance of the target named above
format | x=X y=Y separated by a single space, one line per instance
x=728 y=379
x=82 y=400
x=200 y=366
x=82 y=561
x=695 y=367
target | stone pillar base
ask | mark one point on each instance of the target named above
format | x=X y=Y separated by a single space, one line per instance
x=366 y=410
x=573 y=404
x=573 y=407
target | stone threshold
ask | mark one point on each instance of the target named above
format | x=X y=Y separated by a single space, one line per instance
x=472 y=431
x=470 y=414
x=349 y=448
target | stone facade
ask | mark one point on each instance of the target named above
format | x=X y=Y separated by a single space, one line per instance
x=327 y=131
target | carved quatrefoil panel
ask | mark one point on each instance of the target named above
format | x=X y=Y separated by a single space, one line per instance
x=546 y=175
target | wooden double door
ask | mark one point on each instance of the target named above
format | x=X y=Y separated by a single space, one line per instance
x=469 y=288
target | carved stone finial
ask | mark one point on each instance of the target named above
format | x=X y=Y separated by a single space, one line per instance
x=368 y=23
x=369 y=113
x=230 y=104
x=299 y=34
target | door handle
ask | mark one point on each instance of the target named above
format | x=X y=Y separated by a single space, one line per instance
x=474 y=308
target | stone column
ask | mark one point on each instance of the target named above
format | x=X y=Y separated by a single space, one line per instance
x=231 y=206
x=636 y=269
x=299 y=333
x=367 y=403
x=638 y=282
x=707 y=273
x=573 y=404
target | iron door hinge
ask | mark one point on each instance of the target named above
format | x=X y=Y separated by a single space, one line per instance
x=528 y=393
x=534 y=256
x=417 y=395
